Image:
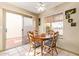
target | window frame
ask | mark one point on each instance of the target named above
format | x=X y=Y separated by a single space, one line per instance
x=55 y=21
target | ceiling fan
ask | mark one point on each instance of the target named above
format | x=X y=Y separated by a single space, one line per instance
x=41 y=7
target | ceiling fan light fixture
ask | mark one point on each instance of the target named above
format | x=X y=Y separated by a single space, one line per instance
x=41 y=7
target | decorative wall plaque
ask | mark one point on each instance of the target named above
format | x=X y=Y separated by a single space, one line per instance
x=39 y=22
x=71 y=11
x=68 y=13
x=73 y=24
x=67 y=16
x=70 y=20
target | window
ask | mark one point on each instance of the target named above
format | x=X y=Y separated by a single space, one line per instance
x=57 y=24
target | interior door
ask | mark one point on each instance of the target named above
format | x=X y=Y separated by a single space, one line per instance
x=28 y=25
x=13 y=30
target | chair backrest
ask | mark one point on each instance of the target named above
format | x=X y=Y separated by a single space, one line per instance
x=43 y=34
x=31 y=37
x=54 y=39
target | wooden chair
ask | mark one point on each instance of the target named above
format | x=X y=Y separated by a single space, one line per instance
x=34 y=43
x=43 y=34
x=52 y=45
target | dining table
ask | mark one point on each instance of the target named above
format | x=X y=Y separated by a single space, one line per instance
x=42 y=39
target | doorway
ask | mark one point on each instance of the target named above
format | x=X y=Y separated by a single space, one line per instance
x=17 y=27
x=13 y=30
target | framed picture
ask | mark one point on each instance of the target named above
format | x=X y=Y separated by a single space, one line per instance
x=39 y=22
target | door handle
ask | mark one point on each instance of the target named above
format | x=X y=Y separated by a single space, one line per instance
x=5 y=30
x=22 y=30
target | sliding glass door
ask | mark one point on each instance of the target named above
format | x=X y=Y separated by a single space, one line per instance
x=17 y=27
x=28 y=25
x=13 y=30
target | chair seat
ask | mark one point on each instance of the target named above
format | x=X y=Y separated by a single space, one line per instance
x=48 y=42
x=36 y=44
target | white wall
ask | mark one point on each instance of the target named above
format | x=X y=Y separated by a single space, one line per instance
x=70 y=39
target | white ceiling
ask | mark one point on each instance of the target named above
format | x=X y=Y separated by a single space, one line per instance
x=32 y=6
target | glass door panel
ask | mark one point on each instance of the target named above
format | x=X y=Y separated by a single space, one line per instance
x=28 y=25
x=14 y=30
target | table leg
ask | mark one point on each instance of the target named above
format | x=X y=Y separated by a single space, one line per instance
x=42 y=48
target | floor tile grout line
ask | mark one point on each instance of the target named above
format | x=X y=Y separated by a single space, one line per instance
x=24 y=47
x=14 y=53
x=18 y=51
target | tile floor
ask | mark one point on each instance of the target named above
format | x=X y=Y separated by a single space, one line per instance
x=12 y=42
x=23 y=51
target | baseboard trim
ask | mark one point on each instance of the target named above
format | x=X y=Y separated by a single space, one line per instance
x=68 y=51
x=1 y=50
